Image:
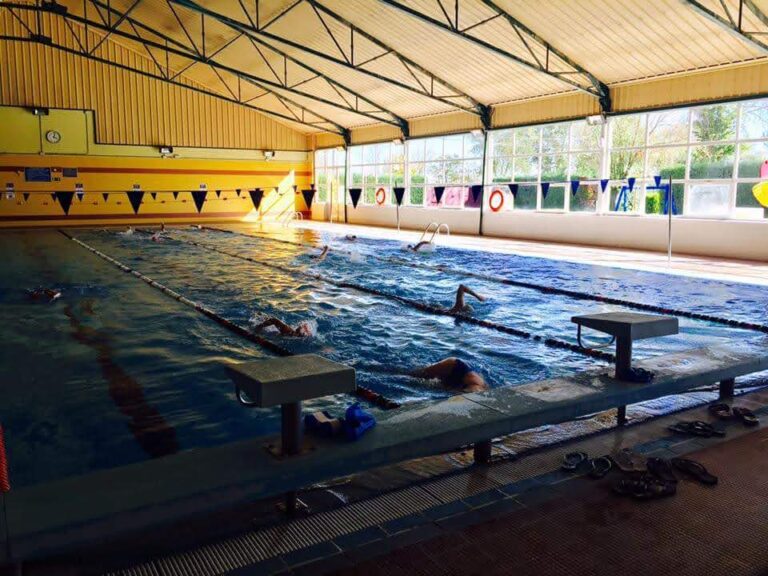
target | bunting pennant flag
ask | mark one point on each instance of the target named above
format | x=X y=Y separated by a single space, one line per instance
x=199 y=197
x=631 y=183
x=439 y=190
x=513 y=189
x=399 y=192
x=135 y=197
x=237 y=191
x=476 y=191
x=657 y=179
x=354 y=194
x=575 y=186
x=218 y=193
x=79 y=194
x=53 y=196
x=175 y=195
x=26 y=196
x=65 y=200
x=309 y=195
x=544 y=189
x=105 y=195
x=256 y=196
x=10 y=191
x=154 y=195
x=604 y=184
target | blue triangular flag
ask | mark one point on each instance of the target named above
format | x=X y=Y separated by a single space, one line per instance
x=135 y=198
x=105 y=195
x=657 y=179
x=309 y=195
x=513 y=189
x=175 y=195
x=399 y=192
x=218 y=193
x=476 y=190
x=544 y=189
x=439 y=193
x=199 y=197
x=354 y=194
x=256 y=196
x=631 y=183
x=575 y=186
x=604 y=184
x=65 y=200
x=237 y=191
x=79 y=194
x=26 y=196
x=154 y=195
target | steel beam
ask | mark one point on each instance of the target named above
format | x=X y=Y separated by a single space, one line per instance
x=592 y=85
x=735 y=28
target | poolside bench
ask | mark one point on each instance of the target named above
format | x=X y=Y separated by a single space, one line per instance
x=88 y=509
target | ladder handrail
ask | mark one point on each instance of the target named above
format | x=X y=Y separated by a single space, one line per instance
x=427 y=230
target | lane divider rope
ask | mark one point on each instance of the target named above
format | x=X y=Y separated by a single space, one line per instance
x=538 y=287
x=362 y=392
x=5 y=483
x=548 y=341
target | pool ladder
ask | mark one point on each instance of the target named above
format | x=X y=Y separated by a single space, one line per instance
x=290 y=217
x=435 y=232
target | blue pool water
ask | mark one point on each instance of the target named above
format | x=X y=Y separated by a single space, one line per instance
x=116 y=372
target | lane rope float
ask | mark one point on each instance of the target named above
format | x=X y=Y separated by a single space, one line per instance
x=381 y=198
x=575 y=294
x=496 y=194
x=5 y=483
x=428 y=308
x=362 y=392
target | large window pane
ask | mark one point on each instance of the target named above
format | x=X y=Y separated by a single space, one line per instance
x=417 y=196
x=709 y=200
x=416 y=150
x=714 y=123
x=434 y=173
x=655 y=199
x=585 y=199
x=754 y=120
x=371 y=154
x=554 y=168
x=554 y=138
x=473 y=172
x=527 y=140
x=712 y=161
x=751 y=157
x=356 y=175
x=355 y=155
x=526 y=169
x=747 y=206
x=623 y=199
x=434 y=148
x=667 y=162
x=628 y=131
x=502 y=142
x=555 y=199
x=668 y=127
x=453 y=172
x=453 y=147
x=473 y=146
x=584 y=136
x=369 y=175
x=626 y=163
x=502 y=168
x=526 y=197
x=585 y=166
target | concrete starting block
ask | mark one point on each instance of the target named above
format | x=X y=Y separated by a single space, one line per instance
x=626 y=327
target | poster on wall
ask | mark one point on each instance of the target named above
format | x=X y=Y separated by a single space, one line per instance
x=37 y=174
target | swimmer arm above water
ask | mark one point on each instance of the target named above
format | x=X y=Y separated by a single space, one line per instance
x=453 y=373
x=320 y=257
x=460 y=305
x=302 y=329
x=417 y=247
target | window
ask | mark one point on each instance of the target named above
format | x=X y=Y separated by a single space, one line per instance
x=377 y=166
x=329 y=173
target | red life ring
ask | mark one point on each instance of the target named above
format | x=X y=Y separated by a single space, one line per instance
x=381 y=196
x=497 y=207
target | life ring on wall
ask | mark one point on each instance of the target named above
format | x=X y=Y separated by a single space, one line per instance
x=381 y=196
x=496 y=193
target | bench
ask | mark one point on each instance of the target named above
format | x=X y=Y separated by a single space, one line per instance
x=88 y=509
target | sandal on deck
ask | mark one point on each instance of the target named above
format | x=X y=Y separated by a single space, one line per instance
x=599 y=467
x=645 y=488
x=746 y=416
x=628 y=461
x=696 y=428
x=694 y=470
x=721 y=411
x=573 y=460
x=662 y=469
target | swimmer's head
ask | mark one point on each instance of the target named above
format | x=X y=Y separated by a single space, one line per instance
x=306 y=328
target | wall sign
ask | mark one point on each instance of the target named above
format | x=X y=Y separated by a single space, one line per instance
x=37 y=174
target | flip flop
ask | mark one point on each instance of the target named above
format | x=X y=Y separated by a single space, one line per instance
x=746 y=415
x=694 y=470
x=628 y=461
x=645 y=488
x=573 y=460
x=721 y=411
x=662 y=469
x=696 y=428
x=599 y=467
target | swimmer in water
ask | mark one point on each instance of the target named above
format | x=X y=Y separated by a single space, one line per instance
x=453 y=373
x=460 y=306
x=129 y=231
x=350 y=238
x=44 y=293
x=320 y=257
x=302 y=329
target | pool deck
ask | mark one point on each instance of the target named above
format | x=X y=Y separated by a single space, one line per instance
x=747 y=271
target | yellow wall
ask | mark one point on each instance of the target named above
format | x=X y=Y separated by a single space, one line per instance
x=130 y=108
x=116 y=169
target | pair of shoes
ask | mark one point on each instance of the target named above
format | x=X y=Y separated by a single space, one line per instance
x=628 y=461
x=646 y=487
x=598 y=467
x=696 y=428
x=724 y=412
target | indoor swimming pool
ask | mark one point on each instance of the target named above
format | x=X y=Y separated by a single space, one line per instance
x=115 y=371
